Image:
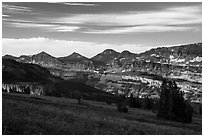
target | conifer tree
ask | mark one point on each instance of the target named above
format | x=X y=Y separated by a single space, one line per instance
x=172 y=105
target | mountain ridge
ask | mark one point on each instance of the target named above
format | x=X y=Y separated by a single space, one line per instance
x=186 y=57
x=112 y=50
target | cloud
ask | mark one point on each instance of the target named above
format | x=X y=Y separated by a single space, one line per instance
x=188 y=18
x=141 y=29
x=78 y=4
x=13 y=8
x=4 y=15
x=30 y=25
x=65 y=28
x=11 y=20
x=180 y=17
x=171 y=16
x=44 y=26
x=60 y=48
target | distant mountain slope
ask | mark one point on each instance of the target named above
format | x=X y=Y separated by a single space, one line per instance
x=106 y=56
x=125 y=54
x=75 y=61
x=123 y=58
x=182 y=50
x=22 y=72
x=184 y=54
x=163 y=59
x=9 y=57
x=42 y=59
x=74 y=57
x=23 y=75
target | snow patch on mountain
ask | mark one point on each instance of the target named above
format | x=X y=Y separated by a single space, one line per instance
x=180 y=60
x=197 y=59
x=177 y=60
x=122 y=59
x=154 y=55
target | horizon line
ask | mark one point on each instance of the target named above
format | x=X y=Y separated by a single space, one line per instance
x=99 y=52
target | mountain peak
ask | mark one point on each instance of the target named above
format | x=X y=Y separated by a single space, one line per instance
x=42 y=53
x=75 y=53
x=109 y=51
x=74 y=57
x=126 y=52
x=106 y=56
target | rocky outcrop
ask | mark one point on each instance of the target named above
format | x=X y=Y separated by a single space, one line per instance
x=178 y=55
x=166 y=61
x=76 y=62
x=42 y=59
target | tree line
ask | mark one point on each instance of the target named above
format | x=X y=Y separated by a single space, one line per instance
x=171 y=104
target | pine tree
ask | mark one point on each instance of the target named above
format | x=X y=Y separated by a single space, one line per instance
x=132 y=101
x=172 y=105
x=163 y=102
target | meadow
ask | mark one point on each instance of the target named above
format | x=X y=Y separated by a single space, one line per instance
x=43 y=115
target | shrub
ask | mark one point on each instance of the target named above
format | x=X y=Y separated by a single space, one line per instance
x=155 y=105
x=109 y=102
x=146 y=103
x=134 y=102
x=121 y=104
x=200 y=110
x=27 y=90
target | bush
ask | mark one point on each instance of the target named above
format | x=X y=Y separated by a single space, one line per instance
x=200 y=110
x=155 y=106
x=109 y=102
x=121 y=104
x=122 y=108
x=146 y=103
x=172 y=105
x=134 y=102
x=27 y=90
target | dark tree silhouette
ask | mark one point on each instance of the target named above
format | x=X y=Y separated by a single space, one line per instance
x=132 y=101
x=200 y=110
x=27 y=90
x=4 y=90
x=172 y=105
x=121 y=104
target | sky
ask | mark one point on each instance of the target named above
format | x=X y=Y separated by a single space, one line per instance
x=61 y=28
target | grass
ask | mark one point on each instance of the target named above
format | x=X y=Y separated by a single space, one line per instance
x=24 y=114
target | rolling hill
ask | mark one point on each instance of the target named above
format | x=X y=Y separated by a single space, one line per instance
x=13 y=71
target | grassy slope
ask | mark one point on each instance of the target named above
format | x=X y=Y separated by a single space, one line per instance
x=24 y=114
